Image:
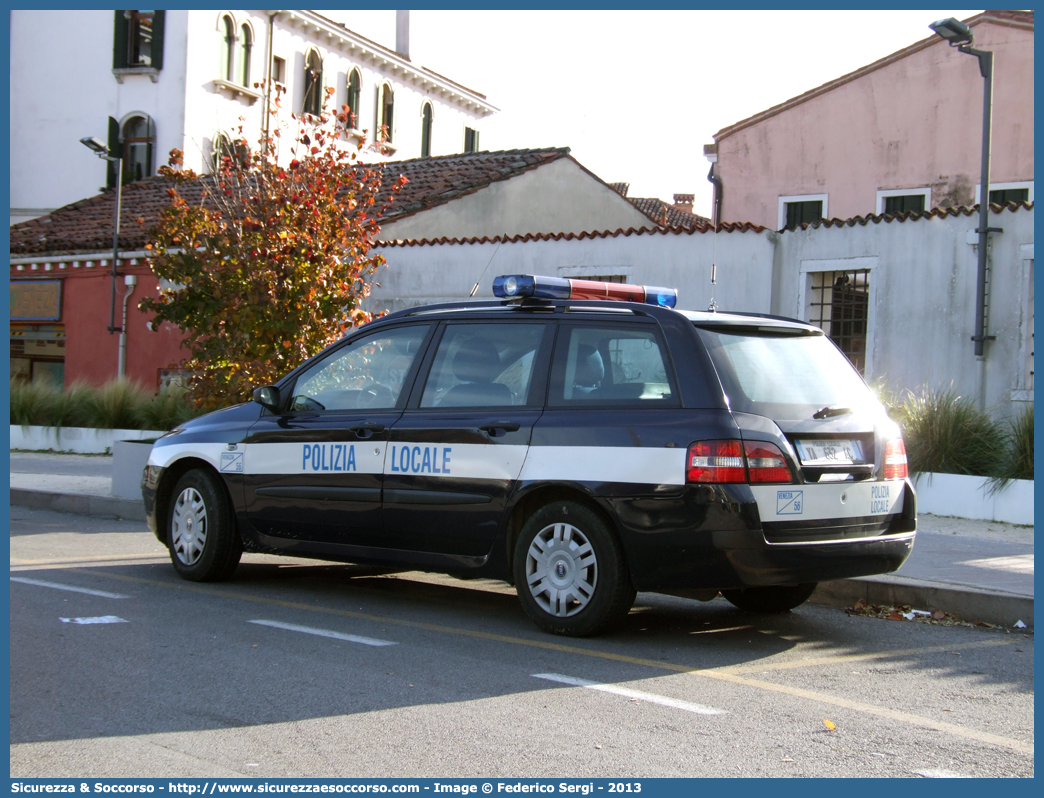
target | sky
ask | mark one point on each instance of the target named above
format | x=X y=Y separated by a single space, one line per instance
x=636 y=94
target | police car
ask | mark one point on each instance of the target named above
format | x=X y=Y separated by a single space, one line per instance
x=580 y=440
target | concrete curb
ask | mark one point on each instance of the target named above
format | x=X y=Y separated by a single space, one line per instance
x=969 y=603
x=80 y=503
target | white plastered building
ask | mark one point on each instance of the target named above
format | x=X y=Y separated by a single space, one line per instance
x=146 y=82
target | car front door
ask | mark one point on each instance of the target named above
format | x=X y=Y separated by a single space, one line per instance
x=456 y=452
x=314 y=471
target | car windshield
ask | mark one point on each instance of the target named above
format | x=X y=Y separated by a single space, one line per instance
x=784 y=377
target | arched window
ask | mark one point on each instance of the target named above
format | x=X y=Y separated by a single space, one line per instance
x=228 y=48
x=237 y=152
x=354 y=95
x=138 y=137
x=313 y=84
x=385 y=113
x=246 y=43
x=426 y=115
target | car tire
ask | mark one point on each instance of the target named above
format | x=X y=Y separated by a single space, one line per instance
x=570 y=571
x=774 y=599
x=201 y=534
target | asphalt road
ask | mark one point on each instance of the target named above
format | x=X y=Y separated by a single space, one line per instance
x=298 y=668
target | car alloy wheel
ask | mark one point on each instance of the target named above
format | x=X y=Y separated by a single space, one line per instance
x=561 y=570
x=189 y=526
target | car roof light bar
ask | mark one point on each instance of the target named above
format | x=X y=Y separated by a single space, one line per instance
x=520 y=286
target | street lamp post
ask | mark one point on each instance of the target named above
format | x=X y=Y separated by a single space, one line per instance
x=960 y=36
x=101 y=151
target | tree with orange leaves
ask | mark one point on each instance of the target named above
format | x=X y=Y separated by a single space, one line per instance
x=266 y=264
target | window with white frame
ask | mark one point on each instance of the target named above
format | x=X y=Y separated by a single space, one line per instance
x=904 y=200
x=227 y=52
x=426 y=120
x=386 y=113
x=279 y=70
x=138 y=42
x=802 y=209
x=838 y=296
x=1002 y=193
x=313 y=84
x=246 y=44
x=353 y=98
x=138 y=136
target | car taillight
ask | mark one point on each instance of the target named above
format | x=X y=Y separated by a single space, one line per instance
x=732 y=461
x=716 y=461
x=895 y=459
x=765 y=463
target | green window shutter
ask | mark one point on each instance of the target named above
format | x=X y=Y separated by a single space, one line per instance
x=114 y=149
x=121 y=30
x=157 y=38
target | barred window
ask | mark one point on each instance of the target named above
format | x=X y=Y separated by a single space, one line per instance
x=840 y=307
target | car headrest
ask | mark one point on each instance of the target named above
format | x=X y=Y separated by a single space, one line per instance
x=476 y=361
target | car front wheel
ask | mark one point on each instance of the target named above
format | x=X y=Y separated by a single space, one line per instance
x=773 y=599
x=204 y=544
x=570 y=572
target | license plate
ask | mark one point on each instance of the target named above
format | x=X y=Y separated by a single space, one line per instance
x=830 y=451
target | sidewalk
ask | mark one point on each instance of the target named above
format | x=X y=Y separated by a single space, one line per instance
x=977 y=570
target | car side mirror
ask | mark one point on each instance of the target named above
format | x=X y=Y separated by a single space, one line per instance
x=268 y=397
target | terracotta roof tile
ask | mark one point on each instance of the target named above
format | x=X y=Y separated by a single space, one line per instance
x=726 y=227
x=86 y=226
x=912 y=216
x=667 y=215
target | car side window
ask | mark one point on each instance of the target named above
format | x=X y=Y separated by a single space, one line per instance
x=610 y=364
x=368 y=373
x=483 y=365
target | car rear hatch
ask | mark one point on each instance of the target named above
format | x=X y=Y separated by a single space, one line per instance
x=788 y=385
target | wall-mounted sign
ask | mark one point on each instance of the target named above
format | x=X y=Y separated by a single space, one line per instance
x=36 y=300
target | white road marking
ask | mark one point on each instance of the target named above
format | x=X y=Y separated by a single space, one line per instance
x=56 y=586
x=1019 y=564
x=624 y=691
x=940 y=774
x=309 y=630
x=99 y=619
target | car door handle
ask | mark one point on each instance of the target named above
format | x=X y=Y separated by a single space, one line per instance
x=366 y=430
x=507 y=426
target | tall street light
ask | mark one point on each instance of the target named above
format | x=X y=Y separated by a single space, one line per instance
x=960 y=36
x=102 y=152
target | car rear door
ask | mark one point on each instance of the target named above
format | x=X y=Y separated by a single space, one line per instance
x=314 y=472
x=456 y=452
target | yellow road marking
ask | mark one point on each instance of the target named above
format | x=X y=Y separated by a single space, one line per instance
x=724 y=675
x=98 y=558
x=839 y=658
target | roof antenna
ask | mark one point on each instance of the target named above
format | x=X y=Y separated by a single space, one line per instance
x=474 y=290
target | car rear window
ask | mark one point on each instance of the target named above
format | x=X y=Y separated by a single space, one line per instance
x=784 y=377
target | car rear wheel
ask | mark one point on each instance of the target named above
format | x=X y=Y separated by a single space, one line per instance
x=774 y=599
x=201 y=535
x=570 y=572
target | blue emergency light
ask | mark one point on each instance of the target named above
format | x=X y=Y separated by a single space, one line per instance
x=518 y=286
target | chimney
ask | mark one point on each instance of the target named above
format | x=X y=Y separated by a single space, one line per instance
x=402 y=33
x=683 y=202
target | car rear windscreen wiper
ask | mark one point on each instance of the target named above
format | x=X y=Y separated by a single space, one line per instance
x=832 y=410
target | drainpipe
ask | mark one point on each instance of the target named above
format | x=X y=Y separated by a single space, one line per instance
x=266 y=119
x=130 y=280
x=719 y=190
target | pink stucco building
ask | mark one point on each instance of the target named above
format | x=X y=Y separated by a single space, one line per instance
x=902 y=133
